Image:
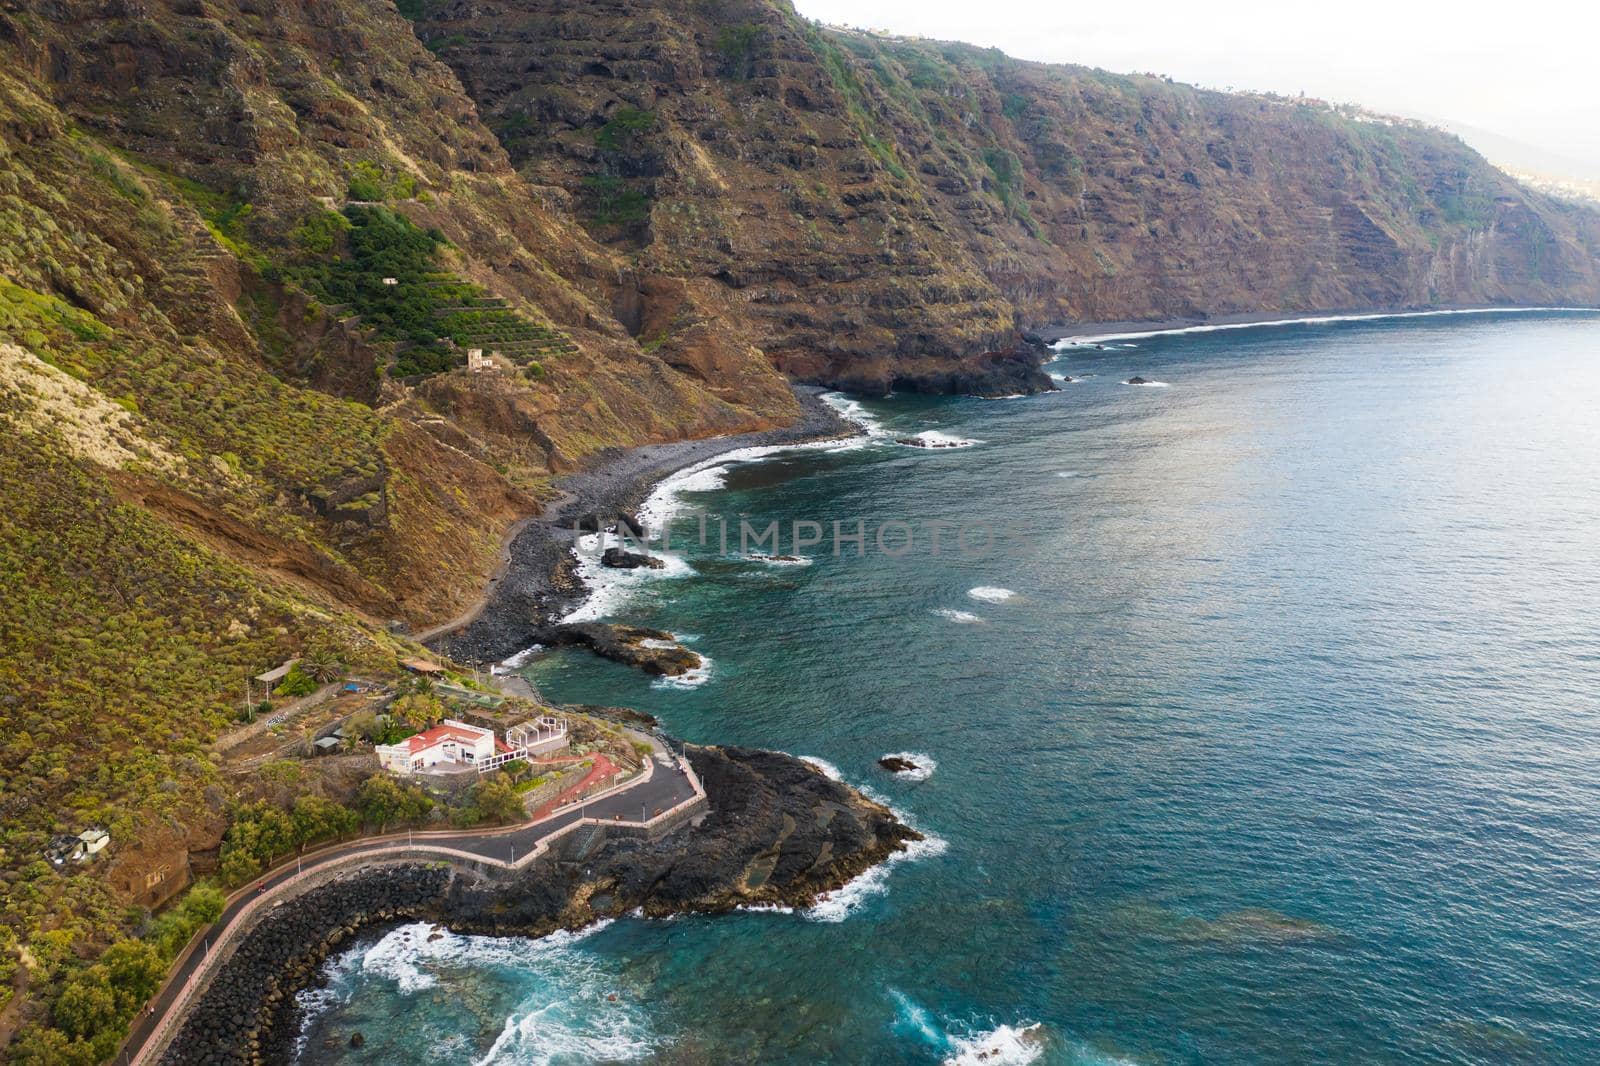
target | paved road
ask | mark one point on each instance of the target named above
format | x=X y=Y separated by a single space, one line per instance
x=667 y=787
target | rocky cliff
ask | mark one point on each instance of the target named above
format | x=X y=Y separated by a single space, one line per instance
x=879 y=204
x=778 y=833
x=246 y=249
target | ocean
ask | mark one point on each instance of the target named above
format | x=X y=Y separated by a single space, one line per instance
x=1257 y=712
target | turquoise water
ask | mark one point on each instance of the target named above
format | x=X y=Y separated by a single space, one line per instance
x=1283 y=750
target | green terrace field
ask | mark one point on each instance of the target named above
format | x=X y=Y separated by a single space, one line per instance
x=373 y=262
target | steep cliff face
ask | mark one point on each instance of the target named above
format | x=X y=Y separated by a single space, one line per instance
x=716 y=144
x=863 y=196
x=245 y=248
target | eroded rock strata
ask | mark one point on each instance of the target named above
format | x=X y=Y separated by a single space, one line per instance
x=777 y=831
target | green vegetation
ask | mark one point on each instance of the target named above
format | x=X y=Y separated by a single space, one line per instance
x=295 y=684
x=440 y=44
x=262 y=832
x=626 y=128
x=736 y=45
x=885 y=155
x=612 y=202
x=842 y=72
x=384 y=801
x=1007 y=171
x=368 y=181
x=320 y=233
x=497 y=800
x=428 y=313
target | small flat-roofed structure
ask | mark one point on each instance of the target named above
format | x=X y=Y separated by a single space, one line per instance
x=276 y=674
x=94 y=840
x=327 y=745
x=423 y=667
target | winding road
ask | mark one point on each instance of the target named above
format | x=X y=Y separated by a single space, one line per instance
x=668 y=786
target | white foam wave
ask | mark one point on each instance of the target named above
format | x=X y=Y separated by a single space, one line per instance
x=574 y=1016
x=1147 y=384
x=830 y=771
x=854 y=412
x=777 y=560
x=964 y=1043
x=839 y=904
x=689 y=679
x=1061 y=379
x=1309 y=320
x=395 y=957
x=935 y=440
x=522 y=658
x=765 y=908
x=1004 y=1045
x=964 y=618
x=609 y=586
x=923 y=765
x=990 y=594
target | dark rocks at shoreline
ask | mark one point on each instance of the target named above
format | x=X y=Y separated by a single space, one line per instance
x=622 y=559
x=777 y=831
x=896 y=765
x=620 y=715
x=598 y=523
x=918 y=442
x=235 y=1021
x=655 y=651
x=540 y=583
x=1014 y=372
x=1136 y=380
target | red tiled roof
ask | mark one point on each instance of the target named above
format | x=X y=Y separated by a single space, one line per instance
x=441 y=733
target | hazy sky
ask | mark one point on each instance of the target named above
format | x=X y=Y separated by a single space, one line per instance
x=1528 y=71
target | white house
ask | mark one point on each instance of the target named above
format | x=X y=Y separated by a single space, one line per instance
x=448 y=742
x=93 y=841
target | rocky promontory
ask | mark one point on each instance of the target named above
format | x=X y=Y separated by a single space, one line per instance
x=655 y=651
x=777 y=831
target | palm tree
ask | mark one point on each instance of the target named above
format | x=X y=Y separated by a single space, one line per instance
x=322 y=665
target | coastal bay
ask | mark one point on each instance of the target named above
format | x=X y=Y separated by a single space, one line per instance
x=1220 y=737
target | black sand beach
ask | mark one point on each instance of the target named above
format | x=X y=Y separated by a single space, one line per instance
x=539 y=584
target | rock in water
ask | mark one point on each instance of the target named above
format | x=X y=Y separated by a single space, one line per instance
x=622 y=559
x=896 y=765
x=357 y=1040
x=655 y=651
x=1136 y=380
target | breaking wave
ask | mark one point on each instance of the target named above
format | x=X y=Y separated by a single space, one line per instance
x=688 y=680
x=1309 y=320
x=990 y=594
x=839 y=904
x=964 y=618
x=1004 y=1045
x=935 y=440
x=574 y=1013
x=608 y=586
x=923 y=765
